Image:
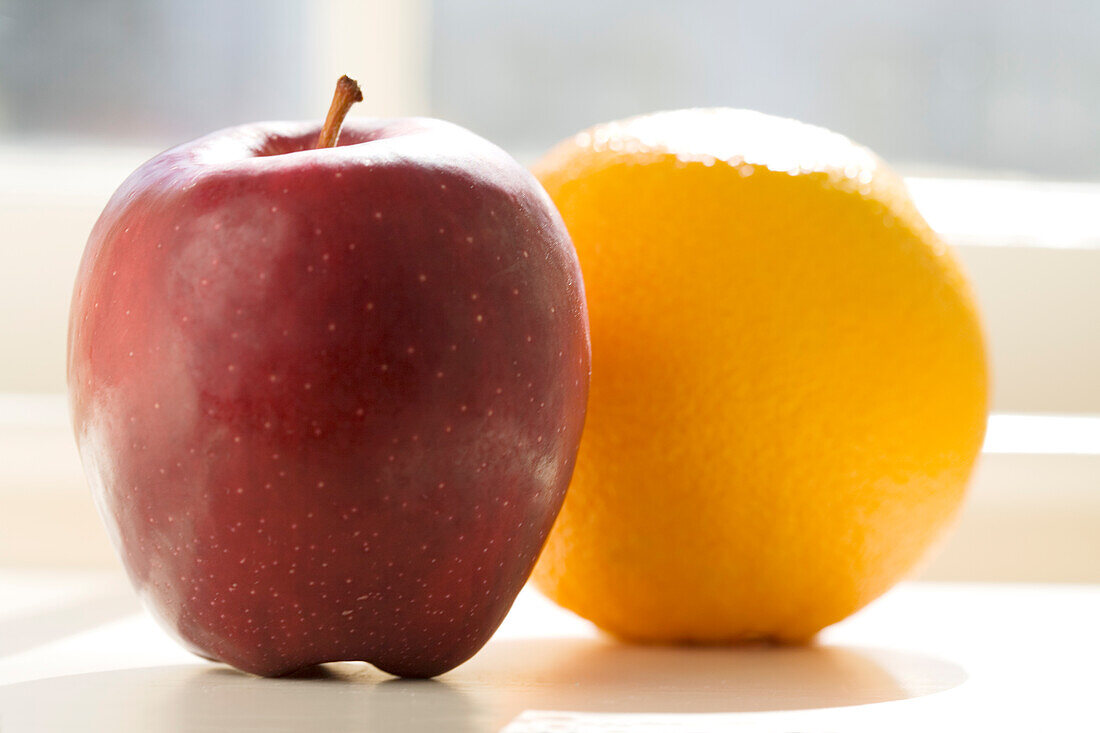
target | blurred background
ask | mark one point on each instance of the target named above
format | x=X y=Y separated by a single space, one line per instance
x=990 y=107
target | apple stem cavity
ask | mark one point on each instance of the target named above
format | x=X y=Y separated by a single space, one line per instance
x=347 y=93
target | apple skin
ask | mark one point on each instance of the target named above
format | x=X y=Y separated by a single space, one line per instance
x=329 y=401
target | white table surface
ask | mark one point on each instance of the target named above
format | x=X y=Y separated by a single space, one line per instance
x=77 y=653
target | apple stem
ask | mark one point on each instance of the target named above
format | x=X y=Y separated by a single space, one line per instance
x=347 y=93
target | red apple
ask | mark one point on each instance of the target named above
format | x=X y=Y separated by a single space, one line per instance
x=329 y=399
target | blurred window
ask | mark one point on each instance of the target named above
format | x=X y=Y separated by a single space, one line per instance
x=130 y=72
x=991 y=86
x=1005 y=86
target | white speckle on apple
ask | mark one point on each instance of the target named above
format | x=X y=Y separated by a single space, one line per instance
x=479 y=318
x=499 y=390
x=447 y=429
x=515 y=291
x=351 y=245
x=391 y=458
x=462 y=408
x=217 y=226
x=439 y=375
x=454 y=347
x=369 y=306
x=443 y=187
x=309 y=268
x=422 y=277
x=378 y=215
x=525 y=253
x=441 y=230
x=384 y=367
x=411 y=350
x=317 y=232
x=359 y=412
x=469 y=240
x=489 y=413
x=236 y=439
x=240 y=489
x=332 y=326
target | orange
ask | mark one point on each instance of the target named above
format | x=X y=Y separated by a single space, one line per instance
x=789 y=383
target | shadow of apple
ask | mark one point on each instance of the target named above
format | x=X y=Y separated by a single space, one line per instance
x=333 y=698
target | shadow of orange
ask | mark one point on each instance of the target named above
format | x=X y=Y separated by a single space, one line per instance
x=599 y=675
